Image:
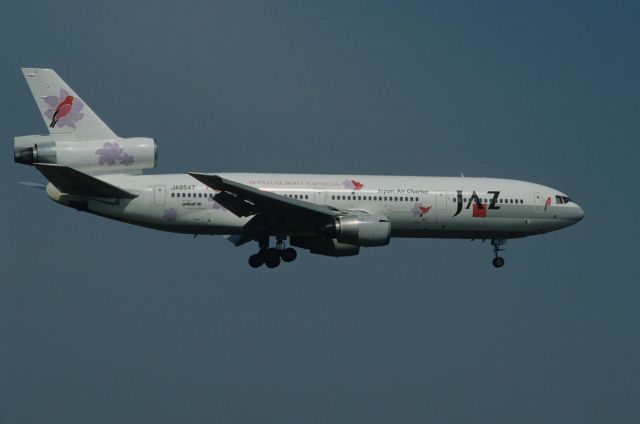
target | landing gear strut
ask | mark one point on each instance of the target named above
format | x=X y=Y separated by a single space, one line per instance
x=272 y=256
x=497 y=244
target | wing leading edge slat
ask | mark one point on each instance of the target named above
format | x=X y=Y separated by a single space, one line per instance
x=244 y=200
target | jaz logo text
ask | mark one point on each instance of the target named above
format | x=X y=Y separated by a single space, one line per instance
x=479 y=208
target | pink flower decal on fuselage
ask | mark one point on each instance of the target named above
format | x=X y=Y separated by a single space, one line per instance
x=170 y=215
x=112 y=153
x=419 y=210
x=353 y=184
x=64 y=110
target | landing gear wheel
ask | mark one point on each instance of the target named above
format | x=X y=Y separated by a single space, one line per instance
x=498 y=262
x=289 y=254
x=256 y=261
x=272 y=258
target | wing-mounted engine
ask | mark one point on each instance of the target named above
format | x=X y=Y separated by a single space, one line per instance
x=360 y=230
x=121 y=155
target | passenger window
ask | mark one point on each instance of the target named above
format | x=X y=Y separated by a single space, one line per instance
x=172 y=194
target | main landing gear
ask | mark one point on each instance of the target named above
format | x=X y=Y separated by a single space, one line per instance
x=497 y=244
x=272 y=256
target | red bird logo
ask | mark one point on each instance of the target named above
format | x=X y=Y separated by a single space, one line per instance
x=547 y=203
x=357 y=185
x=424 y=209
x=62 y=110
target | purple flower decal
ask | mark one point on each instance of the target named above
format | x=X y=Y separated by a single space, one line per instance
x=126 y=159
x=419 y=210
x=70 y=117
x=170 y=214
x=112 y=153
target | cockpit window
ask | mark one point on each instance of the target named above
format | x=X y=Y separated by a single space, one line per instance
x=559 y=200
x=566 y=199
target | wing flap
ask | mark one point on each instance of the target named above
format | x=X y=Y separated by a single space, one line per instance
x=71 y=181
x=235 y=204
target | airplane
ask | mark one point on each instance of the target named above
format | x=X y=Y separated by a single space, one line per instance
x=91 y=169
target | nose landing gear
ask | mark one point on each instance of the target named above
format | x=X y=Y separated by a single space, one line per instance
x=497 y=244
x=272 y=256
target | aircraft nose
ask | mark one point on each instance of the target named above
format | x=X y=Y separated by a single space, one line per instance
x=577 y=213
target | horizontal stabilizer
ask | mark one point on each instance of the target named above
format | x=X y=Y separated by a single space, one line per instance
x=71 y=181
x=33 y=185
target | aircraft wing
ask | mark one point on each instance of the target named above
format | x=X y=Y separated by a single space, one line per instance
x=71 y=181
x=244 y=200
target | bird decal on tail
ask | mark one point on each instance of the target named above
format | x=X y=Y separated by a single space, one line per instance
x=62 y=110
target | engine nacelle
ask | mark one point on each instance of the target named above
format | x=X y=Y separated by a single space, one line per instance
x=325 y=246
x=361 y=230
x=96 y=156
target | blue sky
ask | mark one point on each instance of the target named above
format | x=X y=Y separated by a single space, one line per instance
x=104 y=322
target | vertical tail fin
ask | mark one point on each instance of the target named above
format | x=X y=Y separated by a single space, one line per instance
x=63 y=111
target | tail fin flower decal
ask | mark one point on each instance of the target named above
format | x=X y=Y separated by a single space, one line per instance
x=64 y=110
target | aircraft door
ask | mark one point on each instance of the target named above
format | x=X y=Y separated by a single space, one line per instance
x=441 y=199
x=537 y=202
x=319 y=198
x=159 y=195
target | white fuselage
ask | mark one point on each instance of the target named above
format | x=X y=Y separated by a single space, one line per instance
x=451 y=207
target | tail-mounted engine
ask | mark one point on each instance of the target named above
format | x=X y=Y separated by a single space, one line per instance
x=126 y=155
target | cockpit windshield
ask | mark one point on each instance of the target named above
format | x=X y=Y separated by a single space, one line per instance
x=561 y=200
